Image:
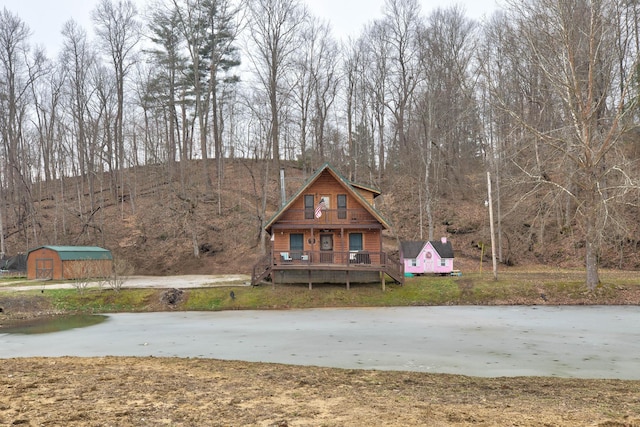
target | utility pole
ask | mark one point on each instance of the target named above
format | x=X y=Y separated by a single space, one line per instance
x=283 y=194
x=493 y=237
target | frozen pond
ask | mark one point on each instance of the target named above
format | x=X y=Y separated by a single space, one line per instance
x=582 y=342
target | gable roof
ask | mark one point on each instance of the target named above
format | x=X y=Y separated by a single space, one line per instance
x=411 y=249
x=349 y=187
x=445 y=250
x=375 y=191
x=70 y=253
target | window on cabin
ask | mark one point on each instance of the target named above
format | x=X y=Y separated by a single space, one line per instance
x=414 y=262
x=443 y=263
x=308 y=206
x=342 y=206
x=296 y=245
x=355 y=242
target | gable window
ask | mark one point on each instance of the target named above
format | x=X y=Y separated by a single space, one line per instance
x=308 y=206
x=342 y=206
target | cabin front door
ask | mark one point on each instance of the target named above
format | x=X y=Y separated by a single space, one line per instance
x=326 y=248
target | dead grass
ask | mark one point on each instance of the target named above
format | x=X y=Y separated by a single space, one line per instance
x=126 y=391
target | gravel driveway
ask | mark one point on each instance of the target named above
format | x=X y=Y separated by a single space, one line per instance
x=162 y=282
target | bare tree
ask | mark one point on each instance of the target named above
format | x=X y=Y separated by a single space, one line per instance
x=402 y=23
x=275 y=26
x=118 y=31
x=375 y=78
x=20 y=68
x=446 y=58
x=315 y=85
x=573 y=50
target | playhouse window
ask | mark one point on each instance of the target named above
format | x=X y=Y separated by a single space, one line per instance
x=414 y=262
x=443 y=263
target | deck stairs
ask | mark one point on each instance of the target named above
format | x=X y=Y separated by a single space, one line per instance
x=395 y=270
x=261 y=270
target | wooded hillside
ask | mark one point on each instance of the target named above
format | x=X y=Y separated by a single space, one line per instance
x=160 y=227
x=161 y=134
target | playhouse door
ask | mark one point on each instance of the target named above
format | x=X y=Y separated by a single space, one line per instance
x=428 y=262
x=326 y=248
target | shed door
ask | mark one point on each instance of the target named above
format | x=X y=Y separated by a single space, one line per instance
x=44 y=268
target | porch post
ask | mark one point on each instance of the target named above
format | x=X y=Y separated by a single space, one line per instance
x=344 y=255
x=383 y=278
x=313 y=243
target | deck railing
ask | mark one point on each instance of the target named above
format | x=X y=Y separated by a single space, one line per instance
x=328 y=260
x=329 y=257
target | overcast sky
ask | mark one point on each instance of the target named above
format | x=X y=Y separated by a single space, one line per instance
x=46 y=17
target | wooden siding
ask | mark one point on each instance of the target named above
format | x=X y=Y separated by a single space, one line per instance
x=326 y=186
x=46 y=258
x=367 y=195
x=371 y=239
x=86 y=269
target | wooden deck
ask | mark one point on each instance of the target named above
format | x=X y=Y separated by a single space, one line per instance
x=318 y=261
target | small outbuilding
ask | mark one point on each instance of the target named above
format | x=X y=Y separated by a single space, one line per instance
x=68 y=262
x=433 y=256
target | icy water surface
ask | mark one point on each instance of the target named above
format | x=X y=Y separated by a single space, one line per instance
x=582 y=342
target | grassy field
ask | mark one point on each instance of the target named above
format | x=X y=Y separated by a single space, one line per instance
x=559 y=287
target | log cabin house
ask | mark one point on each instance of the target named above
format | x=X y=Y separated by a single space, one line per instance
x=328 y=232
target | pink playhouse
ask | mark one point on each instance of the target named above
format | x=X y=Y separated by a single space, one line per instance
x=433 y=256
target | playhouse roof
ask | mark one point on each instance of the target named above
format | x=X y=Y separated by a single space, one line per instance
x=411 y=249
x=444 y=249
x=349 y=186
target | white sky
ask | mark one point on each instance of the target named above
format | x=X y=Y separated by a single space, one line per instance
x=46 y=17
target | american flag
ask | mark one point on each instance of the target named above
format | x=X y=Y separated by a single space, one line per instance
x=320 y=208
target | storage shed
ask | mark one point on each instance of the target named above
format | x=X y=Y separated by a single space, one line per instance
x=68 y=262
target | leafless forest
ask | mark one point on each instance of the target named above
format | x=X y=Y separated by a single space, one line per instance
x=542 y=95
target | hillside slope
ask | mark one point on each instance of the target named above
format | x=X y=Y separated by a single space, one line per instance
x=154 y=224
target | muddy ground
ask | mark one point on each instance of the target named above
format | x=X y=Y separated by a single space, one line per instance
x=125 y=391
